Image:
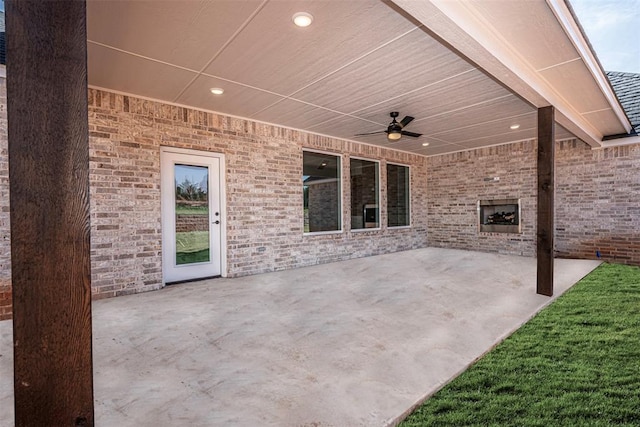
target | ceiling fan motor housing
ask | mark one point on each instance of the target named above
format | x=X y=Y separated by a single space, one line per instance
x=394 y=127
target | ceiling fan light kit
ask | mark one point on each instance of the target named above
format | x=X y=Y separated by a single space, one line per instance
x=394 y=135
x=394 y=130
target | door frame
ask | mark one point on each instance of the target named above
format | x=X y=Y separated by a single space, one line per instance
x=222 y=183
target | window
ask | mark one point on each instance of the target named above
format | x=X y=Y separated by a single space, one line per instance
x=397 y=196
x=321 y=192
x=365 y=189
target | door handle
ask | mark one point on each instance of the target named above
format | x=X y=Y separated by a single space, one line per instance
x=216 y=222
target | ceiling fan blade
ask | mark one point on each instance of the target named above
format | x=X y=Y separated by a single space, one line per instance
x=411 y=134
x=370 y=133
x=406 y=121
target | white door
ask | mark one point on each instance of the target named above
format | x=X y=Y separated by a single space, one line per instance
x=192 y=227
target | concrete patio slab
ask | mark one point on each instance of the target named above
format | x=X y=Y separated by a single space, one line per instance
x=354 y=343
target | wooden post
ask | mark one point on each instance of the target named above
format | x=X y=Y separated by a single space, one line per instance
x=546 y=192
x=49 y=195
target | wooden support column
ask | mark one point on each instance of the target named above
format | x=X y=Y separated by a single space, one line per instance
x=546 y=193
x=49 y=195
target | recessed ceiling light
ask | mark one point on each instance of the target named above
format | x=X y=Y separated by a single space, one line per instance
x=514 y=127
x=425 y=144
x=302 y=19
x=217 y=91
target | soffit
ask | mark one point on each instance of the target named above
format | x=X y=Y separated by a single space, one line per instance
x=341 y=76
x=537 y=50
x=532 y=30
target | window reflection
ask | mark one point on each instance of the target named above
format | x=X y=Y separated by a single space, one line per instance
x=321 y=192
x=365 y=208
x=192 y=214
x=397 y=196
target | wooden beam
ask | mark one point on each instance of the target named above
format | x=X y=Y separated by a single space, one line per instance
x=546 y=192
x=49 y=193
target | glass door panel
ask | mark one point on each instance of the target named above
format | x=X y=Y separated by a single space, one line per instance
x=192 y=214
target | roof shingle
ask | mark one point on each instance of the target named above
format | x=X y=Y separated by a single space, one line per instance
x=627 y=88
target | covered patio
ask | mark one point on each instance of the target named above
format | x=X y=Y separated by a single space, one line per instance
x=109 y=105
x=353 y=343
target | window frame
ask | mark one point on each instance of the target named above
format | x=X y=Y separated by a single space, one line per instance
x=399 y=227
x=340 y=191
x=379 y=196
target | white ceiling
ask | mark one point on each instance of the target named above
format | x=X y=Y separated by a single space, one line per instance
x=358 y=61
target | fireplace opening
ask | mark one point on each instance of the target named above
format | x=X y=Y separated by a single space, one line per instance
x=499 y=216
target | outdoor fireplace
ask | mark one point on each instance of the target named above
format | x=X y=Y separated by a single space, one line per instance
x=499 y=216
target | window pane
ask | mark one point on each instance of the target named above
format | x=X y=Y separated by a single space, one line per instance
x=321 y=192
x=397 y=195
x=365 y=212
x=192 y=214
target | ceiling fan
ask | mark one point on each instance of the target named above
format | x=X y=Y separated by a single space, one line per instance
x=394 y=130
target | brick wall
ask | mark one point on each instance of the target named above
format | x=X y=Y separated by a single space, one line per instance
x=323 y=210
x=457 y=181
x=125 y=195
x=598 y=202
x=264 y=194
x=187 y=222
x=597 y=199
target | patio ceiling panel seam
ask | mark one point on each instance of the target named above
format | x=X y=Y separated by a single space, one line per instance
x=242 y=84
x=224 y=46
x=361 y=57
x=597 y=111
x=291 y=95
x=415 y=90
x=435 y=138
x=485 y=122
x=320 y=107
x=353 y=113
x=466 y=107
x=550 y=67
x=137 y=55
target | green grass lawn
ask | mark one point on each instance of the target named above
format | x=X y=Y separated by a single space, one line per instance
x=191 y=210
x=192 y=246
x=577 y=363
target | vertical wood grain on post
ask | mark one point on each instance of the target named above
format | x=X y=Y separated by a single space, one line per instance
x=546 y=193
x=49 y=199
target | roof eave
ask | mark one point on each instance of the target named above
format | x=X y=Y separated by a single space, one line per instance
x=622 y=140
x=457 y=25
x=567 y=18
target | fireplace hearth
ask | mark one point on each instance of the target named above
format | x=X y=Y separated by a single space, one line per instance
x=499 y=216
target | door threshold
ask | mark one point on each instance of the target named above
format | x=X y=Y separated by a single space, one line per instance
x=178 y=282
